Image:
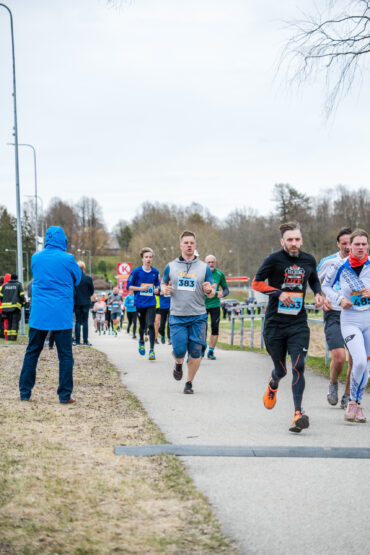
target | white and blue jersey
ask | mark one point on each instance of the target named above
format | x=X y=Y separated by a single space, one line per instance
x=139 y=277
x=354 y=321
x=324 y=268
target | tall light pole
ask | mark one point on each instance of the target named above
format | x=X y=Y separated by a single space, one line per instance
x=18 y=196
x=35 y=179
x=27 y=261
x=42 y=214
x=84 y=251
x=87 y=250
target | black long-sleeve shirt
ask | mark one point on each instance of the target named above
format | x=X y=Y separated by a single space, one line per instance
x=287 y=274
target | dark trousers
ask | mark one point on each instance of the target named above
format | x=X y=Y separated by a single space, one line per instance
x=63 y=341
x=165 y=312
x=2 y=326
x=82 y=319
x=146 y=322
x=131 y=319
x=13 y=317
x=293 y=339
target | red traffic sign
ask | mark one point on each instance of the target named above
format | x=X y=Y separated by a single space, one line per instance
x=124 y=268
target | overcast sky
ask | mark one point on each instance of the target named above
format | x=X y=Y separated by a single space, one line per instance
x=170 y=101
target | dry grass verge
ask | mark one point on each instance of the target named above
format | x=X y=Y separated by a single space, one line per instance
x=62 y=490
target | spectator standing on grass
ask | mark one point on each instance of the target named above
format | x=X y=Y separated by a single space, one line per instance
x=3 y=321
x=83 y=293
x=12 y=300
x=55 y=274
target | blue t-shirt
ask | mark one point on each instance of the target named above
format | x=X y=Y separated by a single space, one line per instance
x=164 y=301
x=140 y=277
x=130 y=303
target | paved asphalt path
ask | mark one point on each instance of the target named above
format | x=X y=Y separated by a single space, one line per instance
x=267 y=505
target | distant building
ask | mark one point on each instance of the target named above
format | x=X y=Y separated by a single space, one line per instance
x=111 y=247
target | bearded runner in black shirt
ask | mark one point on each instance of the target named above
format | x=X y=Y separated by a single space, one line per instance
x=286 y=330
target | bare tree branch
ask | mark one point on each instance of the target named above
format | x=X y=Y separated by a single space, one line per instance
x=333 y=44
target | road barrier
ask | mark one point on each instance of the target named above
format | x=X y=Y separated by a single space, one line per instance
x=245 y=314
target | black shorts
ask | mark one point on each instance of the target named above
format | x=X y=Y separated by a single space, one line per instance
x=215 y=313
x=333 y=333
x=162 y=311
x=281 y=339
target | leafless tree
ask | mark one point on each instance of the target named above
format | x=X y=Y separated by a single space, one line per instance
x=333 y=42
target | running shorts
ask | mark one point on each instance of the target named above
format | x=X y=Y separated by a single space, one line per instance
x=215 y=313
x=281 y=339
x=333 y=332
x=188 y=333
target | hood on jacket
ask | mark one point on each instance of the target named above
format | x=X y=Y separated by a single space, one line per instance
x=7 y=278
x=55 y=237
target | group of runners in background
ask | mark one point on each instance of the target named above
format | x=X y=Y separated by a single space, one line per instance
x=341 y=286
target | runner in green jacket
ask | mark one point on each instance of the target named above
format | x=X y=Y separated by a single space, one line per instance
x=213 y=305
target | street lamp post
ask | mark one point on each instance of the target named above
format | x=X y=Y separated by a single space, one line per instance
x=27 y=261
x=84 y=252
x=42 y=217
x=87 y=250
x=18 y=197
x=35 y=179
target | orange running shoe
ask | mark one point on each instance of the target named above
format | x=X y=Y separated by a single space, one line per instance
x=269 y=398
x=299 y=422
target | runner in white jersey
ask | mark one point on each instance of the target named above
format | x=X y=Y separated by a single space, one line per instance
x=333 y=334
x=353 y=276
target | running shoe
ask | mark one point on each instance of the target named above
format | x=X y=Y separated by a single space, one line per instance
x=141 y=348
x=332 y=395
x=188 y=389
x=299 y=422
x=360 y=417
x=344 y=401
x=134 y=337
x=351 y=410
x=211 y=355
x=177 y=371
x=269 y=398
x=170 y=342
x=151 y=355
x=163 y=340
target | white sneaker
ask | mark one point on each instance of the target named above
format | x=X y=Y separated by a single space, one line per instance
x=360 y=417
x=351 y=410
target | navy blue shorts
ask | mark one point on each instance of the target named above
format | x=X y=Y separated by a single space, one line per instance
x=188 y=333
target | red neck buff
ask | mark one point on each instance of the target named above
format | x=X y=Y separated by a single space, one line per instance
x=356 y=262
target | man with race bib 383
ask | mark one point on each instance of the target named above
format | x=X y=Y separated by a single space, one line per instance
x=144 y=282
x=187 y=279
x=288 y=272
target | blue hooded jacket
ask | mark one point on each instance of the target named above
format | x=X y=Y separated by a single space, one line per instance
x=55 y=273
